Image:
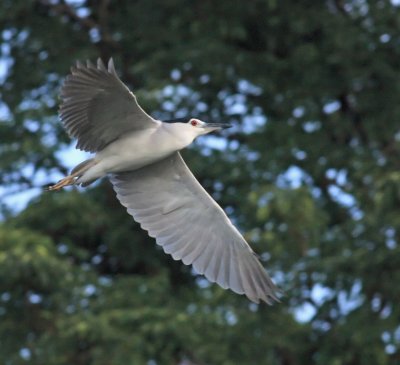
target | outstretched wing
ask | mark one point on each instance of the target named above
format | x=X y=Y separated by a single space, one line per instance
x=168 y=202
x=97 y=107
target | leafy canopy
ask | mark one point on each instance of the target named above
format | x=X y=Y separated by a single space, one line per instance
x=309 y=173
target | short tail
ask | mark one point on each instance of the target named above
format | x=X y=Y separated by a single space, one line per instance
x=76 y=173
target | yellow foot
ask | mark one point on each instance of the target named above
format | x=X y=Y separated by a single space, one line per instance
x=69 y=180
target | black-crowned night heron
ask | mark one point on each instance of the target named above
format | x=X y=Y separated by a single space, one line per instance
x=140 y=154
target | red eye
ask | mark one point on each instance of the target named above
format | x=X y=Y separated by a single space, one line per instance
x=194 y=122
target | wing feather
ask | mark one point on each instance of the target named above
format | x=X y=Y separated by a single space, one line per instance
x=223 y=274
x=248 y=280
x=167 y=200
x=213 y=268
x=97 y=107
x=211 y=262
x=235 y=282
x=173 y=245
x=203 y=258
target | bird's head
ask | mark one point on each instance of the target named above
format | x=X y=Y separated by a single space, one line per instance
x=195 y=127
x=203 y=128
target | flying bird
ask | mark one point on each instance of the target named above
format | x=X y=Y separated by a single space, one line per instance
x=141 y=157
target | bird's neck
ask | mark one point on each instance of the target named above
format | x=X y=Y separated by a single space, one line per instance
x=178 y=134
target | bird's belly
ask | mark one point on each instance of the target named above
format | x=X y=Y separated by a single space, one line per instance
x=135 y=151
x=128 y=162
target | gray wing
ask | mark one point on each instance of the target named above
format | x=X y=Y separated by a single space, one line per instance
x=97 y=107
x=168 y=202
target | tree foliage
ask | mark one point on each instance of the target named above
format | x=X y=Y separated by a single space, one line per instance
x=309 y=173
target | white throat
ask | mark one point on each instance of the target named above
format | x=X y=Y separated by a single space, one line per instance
x=181 y=134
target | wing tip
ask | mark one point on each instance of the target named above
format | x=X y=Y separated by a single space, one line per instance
x=100 y=65
x=268 y=298
x=88 y=65
x=111 y=67
x=79 y=65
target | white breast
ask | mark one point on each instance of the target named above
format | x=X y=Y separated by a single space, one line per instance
x=139 y=148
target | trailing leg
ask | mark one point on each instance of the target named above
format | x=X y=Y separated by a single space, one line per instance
x=76 y=173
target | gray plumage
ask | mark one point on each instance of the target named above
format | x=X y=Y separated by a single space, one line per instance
x=169 y=203
x=141 y=157
x=85 y=110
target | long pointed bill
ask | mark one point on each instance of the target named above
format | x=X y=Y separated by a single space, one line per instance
x=216 y=126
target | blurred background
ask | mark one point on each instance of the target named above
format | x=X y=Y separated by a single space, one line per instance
x=309 y=173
